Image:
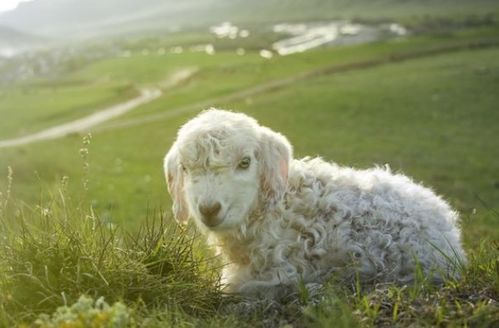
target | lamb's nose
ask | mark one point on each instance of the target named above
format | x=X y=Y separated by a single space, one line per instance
x=209 y=213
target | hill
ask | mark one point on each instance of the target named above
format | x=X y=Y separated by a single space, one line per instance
x=13 y=41
x=64 y=18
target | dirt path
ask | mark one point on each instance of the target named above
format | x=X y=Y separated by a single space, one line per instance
x=86 y=123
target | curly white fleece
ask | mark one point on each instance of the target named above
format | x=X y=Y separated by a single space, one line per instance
x=285 y=221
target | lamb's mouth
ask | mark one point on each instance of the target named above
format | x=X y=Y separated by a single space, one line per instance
x=212 y=224
x=212 y=221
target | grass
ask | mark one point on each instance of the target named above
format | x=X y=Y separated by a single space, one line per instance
x=161 y=276
x=404 y=11
x=92 y=218
x=368 y=111
x=55 y=252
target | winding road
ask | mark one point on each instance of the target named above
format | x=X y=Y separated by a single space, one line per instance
x=90 y=121
x=85 y=123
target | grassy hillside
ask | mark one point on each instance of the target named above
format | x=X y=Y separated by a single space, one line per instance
x=401 y=10
x=91 y=215
x=412 y=93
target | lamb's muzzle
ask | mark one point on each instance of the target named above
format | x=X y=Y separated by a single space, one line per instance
x=209 y=214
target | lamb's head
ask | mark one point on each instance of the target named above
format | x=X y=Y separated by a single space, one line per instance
x=222 y=167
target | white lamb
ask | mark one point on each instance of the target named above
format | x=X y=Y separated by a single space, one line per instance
x=280 y=222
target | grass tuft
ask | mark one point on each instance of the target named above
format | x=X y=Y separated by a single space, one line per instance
x=53 y=254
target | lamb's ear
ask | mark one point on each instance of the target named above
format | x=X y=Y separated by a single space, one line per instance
x=275 y=153
x=175 y=180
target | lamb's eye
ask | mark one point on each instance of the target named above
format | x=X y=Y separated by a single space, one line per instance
x=183 y=168
x=244 y=163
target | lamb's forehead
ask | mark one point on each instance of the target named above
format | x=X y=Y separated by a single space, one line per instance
x=220 y=120
x=220 y=136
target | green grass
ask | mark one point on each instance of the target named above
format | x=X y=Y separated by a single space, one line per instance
x=161 y=276
x=374 y=116
x=57 y=251
x=402 y=10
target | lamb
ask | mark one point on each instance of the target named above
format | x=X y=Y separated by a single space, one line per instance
x=280 y=222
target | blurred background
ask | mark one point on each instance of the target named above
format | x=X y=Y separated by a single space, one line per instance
x=409 y=83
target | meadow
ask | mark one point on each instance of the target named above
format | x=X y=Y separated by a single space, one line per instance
x=91 y=215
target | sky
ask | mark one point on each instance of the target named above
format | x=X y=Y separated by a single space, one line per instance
x=6 y=5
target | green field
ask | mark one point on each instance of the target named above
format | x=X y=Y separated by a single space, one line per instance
x=426 y=105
